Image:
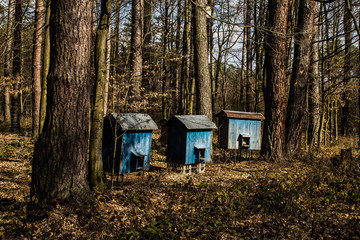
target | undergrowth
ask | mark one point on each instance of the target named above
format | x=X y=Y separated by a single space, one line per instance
x=310 y=198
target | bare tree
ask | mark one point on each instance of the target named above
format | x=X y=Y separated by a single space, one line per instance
x=97 y=113
x=137 y=26
x=314 y=90
x=37 y=66
x=17 y=68
x=8 y=55
x=275 y=96
x=202 y=75
x=299 y=78
x=45 y=65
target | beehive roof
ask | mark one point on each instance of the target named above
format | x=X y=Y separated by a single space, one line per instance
x=193 y=122
x=134 y=121
x=240 y=115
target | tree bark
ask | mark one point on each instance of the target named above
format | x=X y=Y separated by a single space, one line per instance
x=296 y=108
x=147 y=44
x=314 y=91
x=60 y=166
x=97 y=116
x=45 y=66
x=17 y=68
x=137 y=25
x=346 y=115
x=7 y=70
x=275 y=97
x=202 y=76
x=37 y=66
x=185 y=71
x=164 y=62
x=249 y=57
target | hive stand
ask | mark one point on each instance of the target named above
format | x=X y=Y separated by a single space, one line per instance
x=186 y=168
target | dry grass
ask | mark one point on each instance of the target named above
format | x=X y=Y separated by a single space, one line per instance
x=254 y=199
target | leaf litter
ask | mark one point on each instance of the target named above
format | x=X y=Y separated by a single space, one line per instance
x=252 y=199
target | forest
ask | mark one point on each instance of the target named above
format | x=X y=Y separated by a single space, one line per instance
x=67 y=67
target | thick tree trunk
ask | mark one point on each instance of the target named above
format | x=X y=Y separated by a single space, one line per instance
x=17 y=68
x=202 y=76
x=137 y=25
x=275 y=63
x=60 y=166
x=296 y=108
x=359 y=89
x=97 y=115
x=7 y=70
x=45 y=66
x=314 y=92
x=37 y=66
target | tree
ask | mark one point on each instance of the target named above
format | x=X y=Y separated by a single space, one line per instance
x=299 y=78
x=97 y=114
x=60 y=167
x=202 y=75
x=249 y=55
x=314 y=91
x=37 y=66
x=45 y=65
x=17 y=68
x=275 y=66
x=185 y=72
x=346 y=114
x=8 y=54
x=137 y=25
x=147 y=43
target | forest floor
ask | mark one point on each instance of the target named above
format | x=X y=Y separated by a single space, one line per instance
x=309 y=198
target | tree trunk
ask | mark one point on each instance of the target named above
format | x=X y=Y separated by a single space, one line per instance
x=202 y=76
x=346 y=115
x=314 y=92
x=108 y=68
x=147 y=44
x=7 y=70
x=164 y=65
x=258 y=19
x=212 y=58
x=137 y=22
x=296 y=108
x=275 y=63
x=17 y=68
x=97 y=116
x=185 y=65
x=45 y=66
x=60 y=164
x=359 y=89
x=249 y=57
x=37 y=66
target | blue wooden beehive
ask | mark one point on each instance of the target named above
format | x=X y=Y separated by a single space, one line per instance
x=239 y=130
x=189 y=139
x=133 y=132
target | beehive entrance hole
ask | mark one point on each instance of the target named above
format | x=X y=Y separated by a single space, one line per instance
x=244 y=142
x=137 y=161
x=200 y=152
